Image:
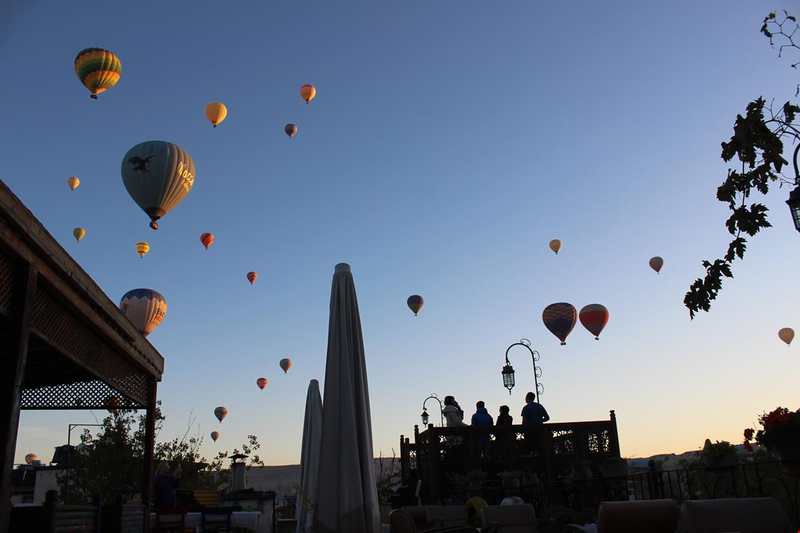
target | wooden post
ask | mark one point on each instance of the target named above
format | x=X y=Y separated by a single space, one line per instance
x=149 y=441
x=12 y=376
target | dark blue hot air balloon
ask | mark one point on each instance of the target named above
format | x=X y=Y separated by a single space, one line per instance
x=560 y=318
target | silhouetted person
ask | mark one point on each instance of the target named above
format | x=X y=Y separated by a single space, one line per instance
x=482 y=418
x=504 y=418
x=533 y=414
x=166 y=485
x=453 y=415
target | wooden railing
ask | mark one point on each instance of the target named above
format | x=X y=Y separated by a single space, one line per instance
x=439 y=455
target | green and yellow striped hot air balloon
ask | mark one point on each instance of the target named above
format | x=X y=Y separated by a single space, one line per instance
x=98 y=69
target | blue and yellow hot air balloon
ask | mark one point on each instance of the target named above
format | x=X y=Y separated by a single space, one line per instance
x=415 y=303
x=158 y=176
x=560 y=318
x=146 y=308
x=98 y=69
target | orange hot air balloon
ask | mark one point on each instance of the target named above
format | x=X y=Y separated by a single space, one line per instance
x=207 y=239
x=286 y=364
x=73 y=183
x=290 y=129
x=261 y=382
x=251 y=277
x=214 y=435
x=308 y=92
x=79 y=233
x=656 y=263
x=555 y=245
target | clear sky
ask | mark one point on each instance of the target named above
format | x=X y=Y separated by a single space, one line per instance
x=448 y=143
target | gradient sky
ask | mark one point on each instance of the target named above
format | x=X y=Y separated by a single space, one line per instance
x=448 y=143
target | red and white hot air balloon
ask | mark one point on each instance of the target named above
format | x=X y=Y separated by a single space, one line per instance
x=594 y=318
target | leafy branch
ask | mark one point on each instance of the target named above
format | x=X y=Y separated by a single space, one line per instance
x=758 y=145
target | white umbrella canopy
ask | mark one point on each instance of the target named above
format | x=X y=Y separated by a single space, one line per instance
x=309 y=458
x=347 y=498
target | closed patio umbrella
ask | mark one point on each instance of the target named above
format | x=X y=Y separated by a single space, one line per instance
x=309 y=458
x=347 y=499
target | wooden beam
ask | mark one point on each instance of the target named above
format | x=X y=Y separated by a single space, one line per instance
x=25 y=236
x=12 y=375
x=149 y=443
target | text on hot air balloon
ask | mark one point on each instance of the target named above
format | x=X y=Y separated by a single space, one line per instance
x=188 y=177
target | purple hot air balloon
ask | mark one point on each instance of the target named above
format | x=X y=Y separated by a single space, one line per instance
x=560 y=318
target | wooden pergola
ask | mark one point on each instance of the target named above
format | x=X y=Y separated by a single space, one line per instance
x=65 y=344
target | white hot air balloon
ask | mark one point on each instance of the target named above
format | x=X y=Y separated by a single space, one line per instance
x=146 y=308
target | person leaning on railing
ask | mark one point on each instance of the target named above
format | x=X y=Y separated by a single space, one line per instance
x=533 y=414
x=453 y=415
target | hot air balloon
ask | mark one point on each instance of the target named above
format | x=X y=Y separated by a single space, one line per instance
x=142 y=248
x=560 y=318
x=555 y=245
x=214 y=435
x=656 y=263
x=308 y=92
x=415 y=303
x=220 y=412
x=158 y=175
x=261 y=382
x=251 y=277
x=98 y=69
x=79 y=234
x=594 y=317
x=146 y=308
x=290 y=130
x=73 y=182
x=286 y=364
x=786 y=335
x=207 y=239
x=31 y=457
x=216 y=112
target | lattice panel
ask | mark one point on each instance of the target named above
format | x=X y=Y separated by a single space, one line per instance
x=563 y=442
x=525 y=444
x=60 y=327
x=79 y=395
x=598 y=442
x=412 y=460
x=6 y=283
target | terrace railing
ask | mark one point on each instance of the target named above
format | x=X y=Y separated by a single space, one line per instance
x=440 y=457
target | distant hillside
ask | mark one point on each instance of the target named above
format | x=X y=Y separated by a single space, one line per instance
x=671 y=461
x=281 y=478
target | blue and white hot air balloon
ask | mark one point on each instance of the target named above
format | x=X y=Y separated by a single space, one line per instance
x=146 y=308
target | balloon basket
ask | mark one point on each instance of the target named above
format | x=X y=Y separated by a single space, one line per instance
x=93 y=97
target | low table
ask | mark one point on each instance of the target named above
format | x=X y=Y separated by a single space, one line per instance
x=245 y=519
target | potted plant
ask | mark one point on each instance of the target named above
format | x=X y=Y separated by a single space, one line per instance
x=510 y=479
x=476 y=478
x=719 y=455
x=779 y=433
x=460 y=481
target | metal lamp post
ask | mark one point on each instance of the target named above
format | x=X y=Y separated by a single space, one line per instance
x=794 y=197
x=508 y=370
x=424 y=416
